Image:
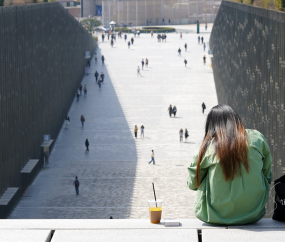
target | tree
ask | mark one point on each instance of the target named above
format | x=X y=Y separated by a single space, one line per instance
x=89 y=24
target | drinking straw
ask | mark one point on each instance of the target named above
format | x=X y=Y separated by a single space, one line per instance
x=154 y=194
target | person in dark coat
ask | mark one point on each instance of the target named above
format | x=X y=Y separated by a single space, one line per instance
x=103 y=36
x=67 y=120
x=198 y=40
x=125 y=37
x=102 y=77
x=129 y=44
x=186 y=135
x=142 y=63
x=103 y=59
x=132 y=40
x=87 y=145
x=174 y=111
x=202 y=39
x=203 y=107
x=185 y=47
x=185 y=62
x=170 y=110
x=96 y=75
x=204 y=59
x=76 y=185
x=179 y=52
x=80 y=88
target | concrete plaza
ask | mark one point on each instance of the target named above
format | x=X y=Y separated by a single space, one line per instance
x=115 y=177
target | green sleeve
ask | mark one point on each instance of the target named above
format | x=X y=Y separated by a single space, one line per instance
x=267 y=161
x=191 y=181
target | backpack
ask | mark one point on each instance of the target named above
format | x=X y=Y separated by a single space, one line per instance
x=76 y=183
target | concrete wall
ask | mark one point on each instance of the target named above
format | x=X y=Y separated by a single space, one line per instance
x=249 y=71
x=41 y=65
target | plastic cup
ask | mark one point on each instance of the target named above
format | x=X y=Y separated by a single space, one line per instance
x=155 y=210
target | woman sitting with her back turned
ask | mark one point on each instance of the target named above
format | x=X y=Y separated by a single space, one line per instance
x=231 y=171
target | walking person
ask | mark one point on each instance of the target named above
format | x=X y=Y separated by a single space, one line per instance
x=132 y=40
x=87 y=145
x=103 y=59
x=181 y=135
x=96 y=75
x=136 y=131
x=180 y=35
x=125 y=37
x=142 y=131
x=151 y=34
x=179 y=52
x=95 y=57
x=174 y=111
x=186 y=135
x=129 y=44
x=185 y=46
x=170 y=110
x=185 y=62
x=85 y=90
x=99 y=84
x=82 y=119
x=80 y=88
x=102 y=76
x=202 y=39
x=103 y=36
x=152 y=158
x=142 y=63
x=138 y=71
x=112 y=43
x=146 y=62
x=204 y=46
x=198 y=40
x=204 y=59
x=203 y=107
x=67 y=120
x=76 y=185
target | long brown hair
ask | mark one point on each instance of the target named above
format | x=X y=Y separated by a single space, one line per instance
x=225 y=129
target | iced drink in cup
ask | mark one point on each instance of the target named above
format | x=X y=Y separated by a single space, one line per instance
x=155 y=210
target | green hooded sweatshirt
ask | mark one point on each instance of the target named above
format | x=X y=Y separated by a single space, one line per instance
x=238 y=201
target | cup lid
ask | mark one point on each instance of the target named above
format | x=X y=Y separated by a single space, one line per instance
x=153 y=201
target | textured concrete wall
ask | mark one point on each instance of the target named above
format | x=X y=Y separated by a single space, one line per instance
x=249 y=70
x=41 y=65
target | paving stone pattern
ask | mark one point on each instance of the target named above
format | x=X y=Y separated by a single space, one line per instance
x=115 y=177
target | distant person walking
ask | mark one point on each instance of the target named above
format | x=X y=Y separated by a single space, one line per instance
x=179 y=52
x=181 y=135
x=202 y=39
x=67 y=120
x=125 y=37
x=206 y=26
x=170 y=110
x=76 y=185
x=185 y=46
x=103 y=59
x=132 y=40
x=138 y=70
x=80 y=88
x=204 y=46
x=186 y=135
x=198 y=40
x=142 y=63
x=152 y=158
x=142 y=131
x=95 y=57
x=99 y=83
x=82 y=119
x=174 y=111
x=85 y=90
x=96 y=75
x=204 y=59
x=103 y=37
x=203 y=107
x=102 y=76
x=112 y=43
x=87 y=145
x=136 y=131
x=129 y=44
x=151 y=34
x=185 y=62
x=146 y=62
x=180 y=35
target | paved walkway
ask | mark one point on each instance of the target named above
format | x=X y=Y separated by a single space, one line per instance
x=116 y=179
